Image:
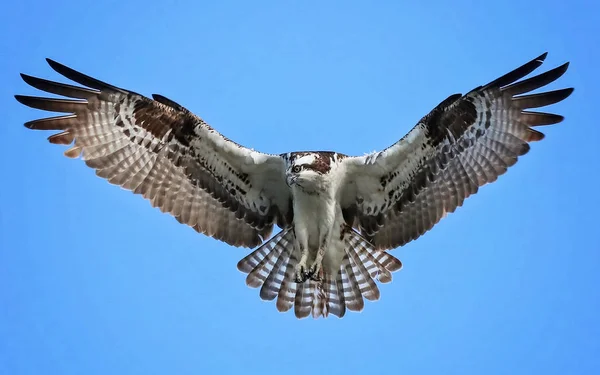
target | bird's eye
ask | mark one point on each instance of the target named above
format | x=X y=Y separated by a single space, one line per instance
x=296 y=169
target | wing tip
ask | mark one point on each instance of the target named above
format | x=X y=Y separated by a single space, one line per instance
x=73 y=152
x=518 y=73
x=532 y=136
x=541 y=58
x=568 y=91
x=27 y=78
x=21 y=99
x=84 y=79
x=63 y=138
x=31 y=124
x=55 y=64
x=564 y=66
x=27 y=100
x=69 y=73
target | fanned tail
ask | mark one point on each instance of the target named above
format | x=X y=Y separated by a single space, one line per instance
x=272 y=265
x=378 y=263
x=265 y=263
x=362 y=263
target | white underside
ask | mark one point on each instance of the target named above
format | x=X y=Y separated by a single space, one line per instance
x=318 y=222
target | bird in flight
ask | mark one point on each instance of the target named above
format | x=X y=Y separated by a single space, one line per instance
x=338 y=215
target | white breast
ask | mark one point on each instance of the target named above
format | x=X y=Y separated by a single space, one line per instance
x=310 y=211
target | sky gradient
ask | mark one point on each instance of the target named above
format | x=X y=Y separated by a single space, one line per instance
x=93 y=280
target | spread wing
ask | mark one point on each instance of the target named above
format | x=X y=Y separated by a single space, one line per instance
x=396 y=195
x=162 y=151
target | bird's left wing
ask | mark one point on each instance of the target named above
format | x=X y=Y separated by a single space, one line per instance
x=396 y=195
x=160 y=150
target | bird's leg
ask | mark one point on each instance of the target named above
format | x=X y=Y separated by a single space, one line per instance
x=316 y=269
x=301 y=268
x=302 y=246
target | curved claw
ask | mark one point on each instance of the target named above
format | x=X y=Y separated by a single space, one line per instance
x=302 y=274
x=315 y=272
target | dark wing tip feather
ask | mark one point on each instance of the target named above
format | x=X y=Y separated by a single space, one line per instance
x=536 y=82
x=21 y=99
x=81 y=78
x=542 y=57
x=51 y=104
x=518 y=73
x=59 y=88
x=30 y=80
x=560 y=70
x=52 y=123
x=542 y=99
x=540 y=118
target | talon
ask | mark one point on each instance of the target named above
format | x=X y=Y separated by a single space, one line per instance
x=301 y=274
x=315 y=272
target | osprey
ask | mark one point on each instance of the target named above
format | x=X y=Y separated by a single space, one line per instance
x=338 y=214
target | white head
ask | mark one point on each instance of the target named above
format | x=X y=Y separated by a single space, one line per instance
x=307 y=170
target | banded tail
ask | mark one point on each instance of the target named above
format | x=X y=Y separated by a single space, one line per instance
x=271 y=267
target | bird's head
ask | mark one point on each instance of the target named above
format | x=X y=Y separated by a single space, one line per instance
x=307 y=169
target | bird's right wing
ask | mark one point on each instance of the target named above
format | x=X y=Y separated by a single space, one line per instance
x=162 y=151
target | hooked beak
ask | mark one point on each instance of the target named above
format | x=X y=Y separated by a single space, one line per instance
x=291 y=180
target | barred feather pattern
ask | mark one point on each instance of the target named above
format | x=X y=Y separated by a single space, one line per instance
x=465 y=142
x=162 y=151
x=271 y=267
x=128 y=164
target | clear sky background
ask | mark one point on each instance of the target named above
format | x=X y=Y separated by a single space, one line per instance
x=95 y=281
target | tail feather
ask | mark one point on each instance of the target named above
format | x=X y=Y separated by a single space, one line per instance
x=366 y=285
x=350 y=287
x=250 y=261
x=378 y=263
x=272 y=268
x=327 y=299
x=259 y=274
x=319 y=302
x=287 y=292
x=259 y=264
x=336 y=305
x=270 y=288
x=304 y=297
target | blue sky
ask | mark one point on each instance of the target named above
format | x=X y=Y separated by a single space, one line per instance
x=95 y=281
